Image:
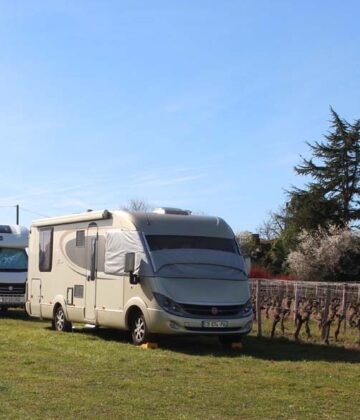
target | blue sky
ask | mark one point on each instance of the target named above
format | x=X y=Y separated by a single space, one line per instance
x=203 y=105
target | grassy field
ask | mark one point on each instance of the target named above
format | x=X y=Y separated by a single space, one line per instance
x=96 y=373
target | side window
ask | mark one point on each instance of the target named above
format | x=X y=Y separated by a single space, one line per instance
x=80 y=238
x=46 y=249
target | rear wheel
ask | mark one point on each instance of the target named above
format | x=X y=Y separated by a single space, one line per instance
x=4 y=309
x=60 y=321
x=138 y=329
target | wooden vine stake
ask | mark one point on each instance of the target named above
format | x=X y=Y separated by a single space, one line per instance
x=344 y=305
x=326 y=312
x=296 y=309
x=258 y=307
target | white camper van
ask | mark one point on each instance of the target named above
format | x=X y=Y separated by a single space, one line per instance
x=165 y=272
x=13 y=265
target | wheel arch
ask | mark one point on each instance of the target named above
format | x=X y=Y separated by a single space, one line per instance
x=60 y=301
x=135 y=304
x=131 y=311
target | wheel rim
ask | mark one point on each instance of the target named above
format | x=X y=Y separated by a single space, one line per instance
x=139 y=330
x=60 y=320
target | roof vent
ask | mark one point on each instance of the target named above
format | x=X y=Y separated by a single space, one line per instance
x=172 y=210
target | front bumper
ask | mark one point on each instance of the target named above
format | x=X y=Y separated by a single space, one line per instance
x=162 y=322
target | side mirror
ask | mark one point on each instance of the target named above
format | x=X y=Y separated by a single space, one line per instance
x=129 y=262
x=247 y=261
x=130 y=267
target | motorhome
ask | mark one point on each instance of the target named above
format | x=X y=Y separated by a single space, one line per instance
x=164 y=272
x=13 y=265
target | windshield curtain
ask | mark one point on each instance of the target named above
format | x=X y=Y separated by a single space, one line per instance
x=166 y=242
x=13 y=259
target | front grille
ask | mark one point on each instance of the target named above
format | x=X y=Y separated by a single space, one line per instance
x=211 y=311
x=7 y=289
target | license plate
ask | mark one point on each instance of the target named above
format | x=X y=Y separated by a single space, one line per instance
x=12 y=299
x=214 y=324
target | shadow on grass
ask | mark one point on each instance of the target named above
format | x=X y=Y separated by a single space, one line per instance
x=282 y=349
x=18 y=314
x=106 y=334
x=279 y=349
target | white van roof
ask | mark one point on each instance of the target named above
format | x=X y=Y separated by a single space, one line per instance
x=14 y=236
x=150 y=222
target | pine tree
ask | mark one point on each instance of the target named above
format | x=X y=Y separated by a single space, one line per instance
x=335 y=168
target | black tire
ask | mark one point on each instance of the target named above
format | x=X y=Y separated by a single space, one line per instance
x=60 y=322
x=138 y=329
x=227 y=340
x=4 y=309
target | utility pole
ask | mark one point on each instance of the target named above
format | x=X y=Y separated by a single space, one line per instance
x=17 y=214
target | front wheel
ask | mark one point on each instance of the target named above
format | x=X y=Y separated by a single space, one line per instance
x=139 y=330
x=60 y=322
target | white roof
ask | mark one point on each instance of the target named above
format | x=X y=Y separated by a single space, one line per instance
x=72 y=218
x=18 y=238
x=150 y=223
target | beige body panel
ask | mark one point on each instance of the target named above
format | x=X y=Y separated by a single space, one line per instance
x=106 y=306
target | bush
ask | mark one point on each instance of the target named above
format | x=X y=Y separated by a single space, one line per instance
x=258 y=272
x=331 y=254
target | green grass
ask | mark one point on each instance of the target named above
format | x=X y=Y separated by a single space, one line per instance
x=97 y=374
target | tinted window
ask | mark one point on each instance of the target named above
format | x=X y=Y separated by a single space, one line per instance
x=13 y=259
x=80 y=238
x=158 y=242
x=5 y=229
x=45 y=249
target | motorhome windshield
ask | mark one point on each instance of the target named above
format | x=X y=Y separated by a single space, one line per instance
x=160 y=242
x=13 y=259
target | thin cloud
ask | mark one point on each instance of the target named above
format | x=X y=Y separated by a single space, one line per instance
x=71 y=202
x=165 y=182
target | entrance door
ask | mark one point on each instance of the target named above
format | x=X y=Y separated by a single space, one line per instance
x=91 y=271
x=35 y=297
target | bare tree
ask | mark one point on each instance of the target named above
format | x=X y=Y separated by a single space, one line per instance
x=136 y=204
x=273 y=226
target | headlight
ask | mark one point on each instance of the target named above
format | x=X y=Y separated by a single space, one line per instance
x=246 y=309
x=168 y=304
